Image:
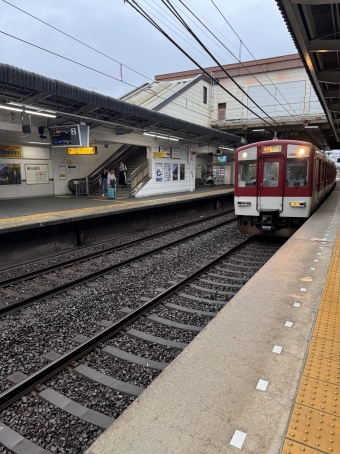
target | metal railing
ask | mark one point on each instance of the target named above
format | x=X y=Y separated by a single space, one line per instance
x=139 y=177
x=92 y=182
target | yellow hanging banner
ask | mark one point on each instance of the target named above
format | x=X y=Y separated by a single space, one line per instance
x=82 y=150
x=9 y=151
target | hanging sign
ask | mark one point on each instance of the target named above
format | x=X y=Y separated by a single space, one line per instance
x=82 y=150
x=9 y=151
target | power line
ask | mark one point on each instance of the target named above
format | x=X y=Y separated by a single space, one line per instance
x=101 y=53
x=248 y=50
x=169 y=5
x=140 y=10
x=249 y=72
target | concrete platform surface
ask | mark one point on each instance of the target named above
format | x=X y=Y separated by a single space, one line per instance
x=17 y=214
x=229 y=391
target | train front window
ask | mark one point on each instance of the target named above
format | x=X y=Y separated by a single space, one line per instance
x=271 y=173
x=297 y=172
x=246 y=173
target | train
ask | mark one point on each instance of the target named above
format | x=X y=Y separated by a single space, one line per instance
x=279 y=184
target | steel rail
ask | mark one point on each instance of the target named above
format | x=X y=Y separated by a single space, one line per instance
x=17 y=391
x=67 y=285
x=35 y=273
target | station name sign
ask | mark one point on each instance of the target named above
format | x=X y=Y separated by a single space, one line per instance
x=82 y=150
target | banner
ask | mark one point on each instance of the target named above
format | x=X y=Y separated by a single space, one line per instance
x=159 y=172
x=10 y=174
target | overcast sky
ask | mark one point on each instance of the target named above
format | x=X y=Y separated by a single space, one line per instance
x=117 y=30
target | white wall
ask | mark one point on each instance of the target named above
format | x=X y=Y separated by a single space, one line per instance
x=85 y=164
x=154 y=187
x=30 y=155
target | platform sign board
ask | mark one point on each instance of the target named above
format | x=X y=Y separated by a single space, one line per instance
x=36 y=173
x=10 y=174
x=82 y=150
x=10 y=151
x=176 y=153
x=66 y=136
x=62 y=172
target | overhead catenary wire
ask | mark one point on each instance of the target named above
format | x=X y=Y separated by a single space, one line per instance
x=169 y=5
x=139 y=9
x=249 y=52
x=105 y=55
x=249 y=72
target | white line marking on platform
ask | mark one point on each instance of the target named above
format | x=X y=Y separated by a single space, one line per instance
x=303 y=289
x=238 y=439
x=296 y=305
x=326 y=234
x=277 y=349
x=321 y=247
x=318 y=253
x=316 y=260
x=313 y=269
x=262 y=385
x=289 y=324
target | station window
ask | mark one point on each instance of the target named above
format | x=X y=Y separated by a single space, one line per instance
x=205 y=95
x=221 y=111
x=246 y=173
x=297 y=172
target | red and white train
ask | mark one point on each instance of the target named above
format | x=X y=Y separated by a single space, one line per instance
x=279 y=184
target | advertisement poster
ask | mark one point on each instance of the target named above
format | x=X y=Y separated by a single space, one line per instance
x=166 y=151
x=72 y=168
x=176 y=153
x=62 y=172
x=8 y=151
x=10 y=174
x=167 y=172
x=182 y=171
x=159 y=172
x=36 y=174
x=174 y=172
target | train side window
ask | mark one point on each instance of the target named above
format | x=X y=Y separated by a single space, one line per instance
x=271 y=173
x=246 y=173
x=297 y=172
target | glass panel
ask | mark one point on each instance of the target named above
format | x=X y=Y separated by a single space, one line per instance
x=271 y=173
x=246 y=173
x=297 y=172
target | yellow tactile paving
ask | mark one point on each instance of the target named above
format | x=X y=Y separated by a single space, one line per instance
x=314 y=426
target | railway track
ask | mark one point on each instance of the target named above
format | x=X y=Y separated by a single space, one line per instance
x=67 y=270
x=82 y=391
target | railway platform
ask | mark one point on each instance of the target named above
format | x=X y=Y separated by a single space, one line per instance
x=263 y=376
x=46 y=225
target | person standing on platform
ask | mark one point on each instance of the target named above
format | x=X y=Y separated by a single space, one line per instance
x=104 y=176
x=111 y=179
x=122 y=174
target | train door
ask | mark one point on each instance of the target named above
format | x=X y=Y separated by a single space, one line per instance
x=270 y=183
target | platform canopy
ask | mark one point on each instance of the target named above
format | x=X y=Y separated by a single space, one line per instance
x=315 y=28
x=73 y=104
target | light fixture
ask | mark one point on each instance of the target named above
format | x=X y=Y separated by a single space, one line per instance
x=301 y=151
x=41 y=143
x=10 y=108
x=226 y=148
x=259 y=130
x=162 y=137
x=149 y=134
x=41 y=114
x=244 y=154
x=171 y=138
x=311 y=127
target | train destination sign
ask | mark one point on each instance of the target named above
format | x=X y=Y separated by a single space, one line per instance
x=272 y=149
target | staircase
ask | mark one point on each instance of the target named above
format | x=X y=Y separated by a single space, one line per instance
x=132 y=156
x=132 y=163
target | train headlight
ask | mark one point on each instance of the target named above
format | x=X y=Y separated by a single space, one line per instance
x=301 y=151
x=244 y=154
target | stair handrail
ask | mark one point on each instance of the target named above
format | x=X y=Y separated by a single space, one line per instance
x=138 y=175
